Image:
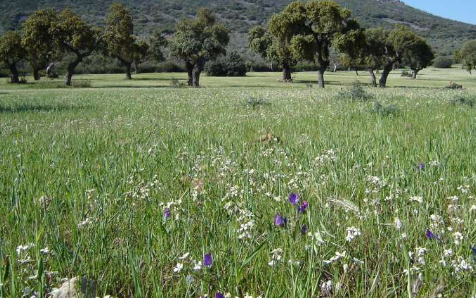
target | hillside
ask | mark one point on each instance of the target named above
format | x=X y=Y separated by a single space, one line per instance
x=445 y=35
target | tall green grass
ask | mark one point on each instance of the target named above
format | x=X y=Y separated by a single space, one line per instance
x=89 y=173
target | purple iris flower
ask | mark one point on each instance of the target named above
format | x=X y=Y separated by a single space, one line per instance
x=280 y=221
x=473 y=249
x=167 y=213
x=430 y=235
x=219 y=295
x=420 y=166
x=294 y=199
x=304 y=230
x=208 y=260
x=303 y=207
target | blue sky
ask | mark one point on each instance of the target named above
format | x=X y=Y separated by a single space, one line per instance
x=460 y=10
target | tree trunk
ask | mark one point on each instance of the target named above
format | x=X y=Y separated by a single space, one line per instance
x=386 y=71
x=196 y=77
x=373 y=78
x=70 y=70
x=14 y=79
x=136 y=68
x=320 y=74
x=357 y=72
x=287 y=74
x=189 y=68
x=197 y=71
x=415 y=73
x=36 y=73
x=128 y=70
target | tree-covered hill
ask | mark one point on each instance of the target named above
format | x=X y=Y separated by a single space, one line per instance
x=445 y=35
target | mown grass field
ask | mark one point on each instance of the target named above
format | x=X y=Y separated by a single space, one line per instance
x=121 y=180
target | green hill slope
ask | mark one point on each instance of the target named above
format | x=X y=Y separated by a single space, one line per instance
x=445 y=35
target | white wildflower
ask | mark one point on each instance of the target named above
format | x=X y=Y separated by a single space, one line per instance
x=352 y=233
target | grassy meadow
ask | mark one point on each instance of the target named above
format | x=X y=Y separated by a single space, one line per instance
x=155 y=191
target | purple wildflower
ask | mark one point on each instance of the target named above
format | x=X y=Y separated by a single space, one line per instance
x=430 y=235
x=304 y=230
x=294 y=199
x=167 y=213
x=219 y=295
x=303 y=207
x=473 y=249
x=208 y=260
x=280 y=221
x=420 y=166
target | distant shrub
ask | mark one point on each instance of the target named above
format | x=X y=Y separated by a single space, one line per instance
x=169 y=66
x=443 y=62
x=355 y=93
x=470 y=102
x=257 y=66
x=385 y=110
x=406 y=74
x=232 y=65
x=454 y=86
x=255 y=103
x=174 y=83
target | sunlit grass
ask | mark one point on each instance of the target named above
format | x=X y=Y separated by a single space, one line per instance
x=91 y=173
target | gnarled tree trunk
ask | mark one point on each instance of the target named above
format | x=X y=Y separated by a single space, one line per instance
x=15 y=79
x=36 y=73
x=386 y=71
x=373 y=78
x=415 y=73
x=287 y=74
x=197 y=71
x=128 y=70
x=189 y=68
x=70 y=70
x=320 y=74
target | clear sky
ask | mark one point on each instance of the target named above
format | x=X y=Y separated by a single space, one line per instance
x=460 y=10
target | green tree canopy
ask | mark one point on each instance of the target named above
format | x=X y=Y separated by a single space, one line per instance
x=399 y=44
x=468 y=55
x=272 y=46
x=157 y=45
x=119 y=39
x=197 y=41
x=141 y=53
x=418 y=56
x=311 y=28
x=37 y=39
x=372 y=52
x=73 y=36
x=11 y=52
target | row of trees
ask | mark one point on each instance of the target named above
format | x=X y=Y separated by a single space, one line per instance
x=47 y=36
x=307 y=31
x=302 y=31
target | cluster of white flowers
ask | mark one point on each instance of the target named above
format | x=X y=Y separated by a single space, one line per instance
x=328 y=156
x=335 y=258
x=417 y=199
x=276 y=256
x=352 y=233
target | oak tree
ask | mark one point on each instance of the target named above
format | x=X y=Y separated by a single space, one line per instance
x=119 y=39
x=314 y=26
x=73 y=36
x=37 y=39
x=418 y=56
x=273 y=47
x=198 y=41
x=468 y=55
x=11 y=52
